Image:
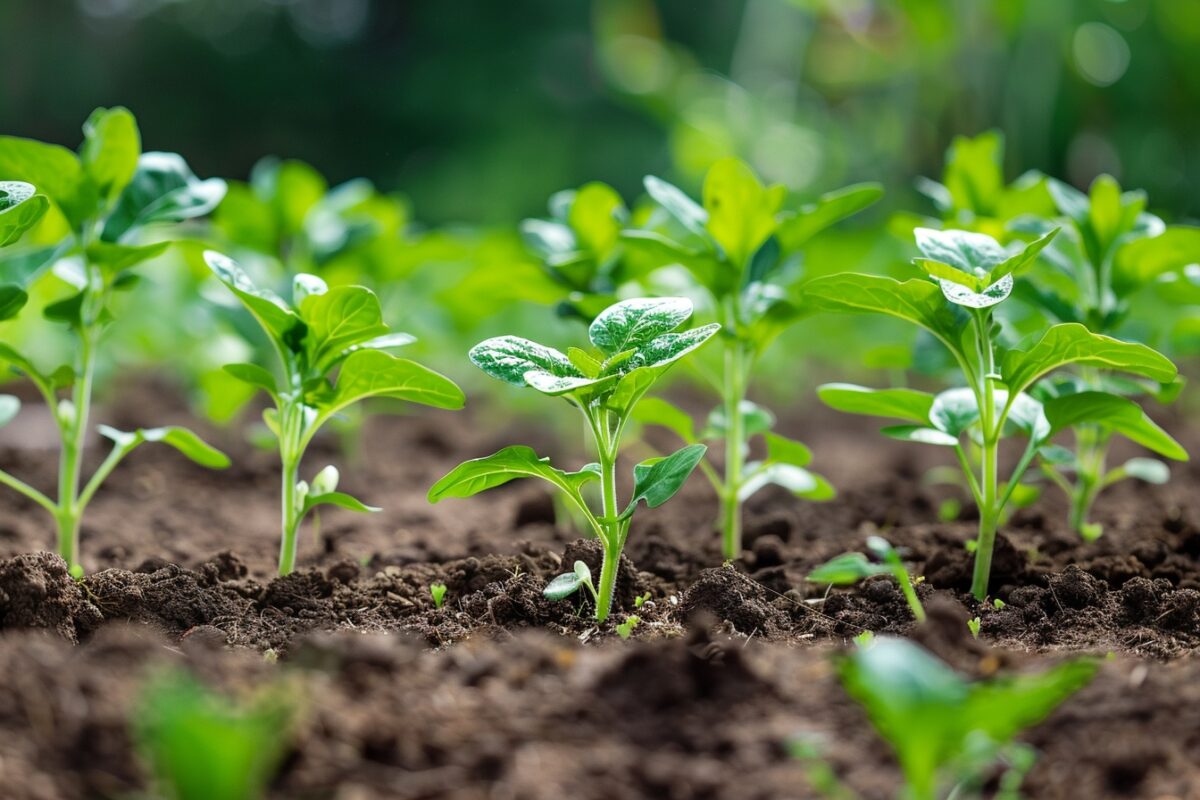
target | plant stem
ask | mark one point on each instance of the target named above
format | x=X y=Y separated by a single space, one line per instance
x=74 y=434
x=290 y=452
x=611 y=540
x=910 y=594
x=731 y=504
x=989 y=481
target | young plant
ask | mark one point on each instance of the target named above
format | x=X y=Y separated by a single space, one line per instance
x=202 y=746
x=98 y=203
x=850 y=568
x=438 y=592
x=322 y=331
x=1111 y=249
x=969 y=273
x=949 y=733
x=741 y=247
x=635 y=342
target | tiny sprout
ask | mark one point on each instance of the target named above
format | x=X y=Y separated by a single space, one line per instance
x=864 y=639
x=641 y=600
x=625 y=629
x=438 y=592
x=850 y=568
x=974 y=626
x=326 y=481
x=998 y=603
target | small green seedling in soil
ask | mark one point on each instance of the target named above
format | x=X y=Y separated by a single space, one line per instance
x=101 y=202
x=322 y=331
x=641 y=600
x=202 y=746
x=636 y=342
x=864 y=639
x=625 y=629
x=998 y=603
x=850 y=568
x=948 y=733
x=1110 y=249
x=974 y=625
x=740 y=246
x=969 y=274
x=438 y=592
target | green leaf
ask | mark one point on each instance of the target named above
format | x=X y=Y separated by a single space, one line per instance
x=509 y=358
x=1143 y=260
x=631 y=324
x=596 y=217
x=657 y=480
x=254 y=375
x=114 y=258
x=67 y=311
x=1003 y=707
x=661 y=251
x=518 y=461
x=387 y=341
x=656 y=411
x=374 y=373
x=974 y=176
x=1072 y=343
x=273 y=314
x=670 y=347
x=562 y=586
x=338 y=319
x=954 y=411
x=10 y=406
x=845 y=570
x=111 y=147
x=800 y=482
x=163 y=189
x=741 y=212
x=830 y=208
x=782 y=450
x=966 y=251
x=182 y=439
x=920 y=434
x=585 y=363
x=1149 y=470
x=677 y=203
x=20 y=209
x=755 y=420
x=1114 y=413
x=339 y=499
x=55 y=171
x=907 y=404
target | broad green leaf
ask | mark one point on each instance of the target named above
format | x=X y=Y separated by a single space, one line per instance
x=974 y=175
x=114 y=258
x=917 y=301
x=1143 y=260
x=163 y=189
x=1003 y=707
x=755 y=420
x=111 y=147
x=741 y=211
x=972 y=253
x=1072 y=343
x=796 y=229
x=518 y=461
x=920 y=434
x=254 y=375
x=556 y=385
x=1149 y=470
x=338 y=319
x=656 y=411
x=800 y=482
x=906 y=404
x=562 y=586
x=21 y=207
x=845 y=570
x=596 y=217
x=657 y=480
x=508 y=358
x=990 y=296
x=670 y=347
x=677 y=203
x=631 y=324
x=55 y=171
x=954 y=411
x=374 y=373
x=782 y=450
x=276 y=318
x=1115 y=413
x=339 y=499
x=10 y=406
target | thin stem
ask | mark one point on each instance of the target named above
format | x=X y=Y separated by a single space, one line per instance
x=989 y=481
x=734 y=393
x=24 y=488
x=69 y=510
x=291 y=451
x=910 y=594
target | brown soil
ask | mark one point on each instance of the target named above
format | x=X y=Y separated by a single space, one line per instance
x=501 y=693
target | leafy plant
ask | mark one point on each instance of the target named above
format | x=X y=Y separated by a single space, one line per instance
x=636 y=342
x=850 y=568
x=969 y=273
x=948 y=733
x=740 y=246
x=1111 y=249
x=438 y=592
x=322 y=331
x=97 y=204
x=625 y=629
x=202 y=746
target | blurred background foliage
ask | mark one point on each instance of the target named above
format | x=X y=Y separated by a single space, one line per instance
x=466 y=117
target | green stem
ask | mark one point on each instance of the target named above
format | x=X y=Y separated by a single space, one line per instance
x=990 y=423
x=611 y=541
x=910 y=594
x=731 y=504
x=69 y=510
x=291 y=451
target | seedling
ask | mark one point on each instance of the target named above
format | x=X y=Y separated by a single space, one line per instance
x=973 y=625
x=636 y=342
x=438 y=592
x=949 y=733
x=202 y=746
x=105 y=198
x=625 y=629
x=848 y=569
x=969 y=273
x=641 y=600
x=322 y=331
x=1111 y=249
x=740 y=246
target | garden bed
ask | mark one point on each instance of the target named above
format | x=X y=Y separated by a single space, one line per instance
x=502 y=693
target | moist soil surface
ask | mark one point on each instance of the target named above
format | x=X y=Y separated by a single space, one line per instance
x=502 y=694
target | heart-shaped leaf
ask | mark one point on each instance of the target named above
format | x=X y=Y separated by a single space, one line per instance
x=658 y=479
x=631 y=324
x=907 y=404
x=518 y=461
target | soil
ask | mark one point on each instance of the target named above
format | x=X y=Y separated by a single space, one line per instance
x=503 y=694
